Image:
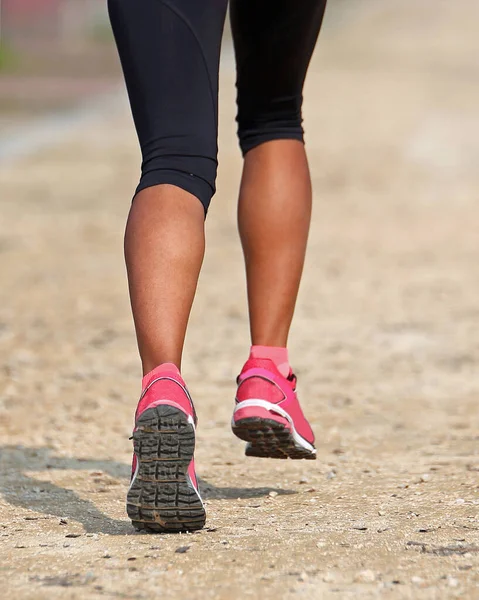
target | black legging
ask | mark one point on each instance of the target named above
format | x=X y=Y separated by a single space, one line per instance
x=169 y=50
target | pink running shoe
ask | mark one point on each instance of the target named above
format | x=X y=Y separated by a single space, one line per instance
x=267 y=414
x=163 y=494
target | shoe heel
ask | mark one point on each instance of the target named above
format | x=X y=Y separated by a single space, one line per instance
x=162 y=497
x=268 y=438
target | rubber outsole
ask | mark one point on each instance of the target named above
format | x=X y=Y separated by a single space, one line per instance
x=161 y=497
x=269 y=439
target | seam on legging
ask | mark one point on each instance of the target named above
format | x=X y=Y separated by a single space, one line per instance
x=145 y=145
x=146 y=162
x=188 y=174
x=192 y=31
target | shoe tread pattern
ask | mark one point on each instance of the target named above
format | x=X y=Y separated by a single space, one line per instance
x=269 y=439
x=162 y=499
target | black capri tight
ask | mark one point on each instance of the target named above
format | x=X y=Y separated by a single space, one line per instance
x=169 y=50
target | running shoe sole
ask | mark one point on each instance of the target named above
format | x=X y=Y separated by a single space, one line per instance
x=269 y=439
x=162 y=497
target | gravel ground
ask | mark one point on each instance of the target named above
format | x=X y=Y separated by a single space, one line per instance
x=386 y=345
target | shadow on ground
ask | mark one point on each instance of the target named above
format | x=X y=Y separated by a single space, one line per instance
x=28 y=492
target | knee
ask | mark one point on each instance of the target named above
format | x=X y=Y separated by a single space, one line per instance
x=186 y=163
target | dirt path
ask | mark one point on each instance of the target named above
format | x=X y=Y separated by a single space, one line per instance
x=386 y=344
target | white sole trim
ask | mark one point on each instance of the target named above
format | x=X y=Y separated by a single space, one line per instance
x=135 y=474
x=257 y=402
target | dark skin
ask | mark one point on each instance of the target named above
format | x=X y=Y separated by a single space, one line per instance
x=165 y=243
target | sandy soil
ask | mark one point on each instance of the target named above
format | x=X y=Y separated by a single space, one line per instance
x=386 y=345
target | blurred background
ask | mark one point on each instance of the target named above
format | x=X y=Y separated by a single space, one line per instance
x=52 y=53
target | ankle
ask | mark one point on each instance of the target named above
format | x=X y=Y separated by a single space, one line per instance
x=277 y=354
x=150 y=367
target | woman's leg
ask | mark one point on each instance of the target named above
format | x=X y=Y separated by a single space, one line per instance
x=274 y=213
x=274 y=41
x=169 y=51
x=164 y=246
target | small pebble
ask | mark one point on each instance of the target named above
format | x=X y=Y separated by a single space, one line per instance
x=303 y=576
x=273 y=494
x=460 y=501
x=366 y=576
x=424 y=478
x=182 y=549
x=328 y=577
x=452 y=581
x=416 y=580
x=304 y=480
